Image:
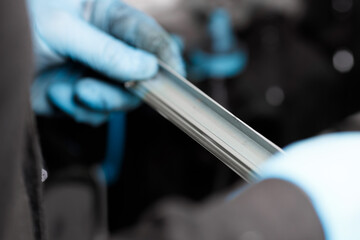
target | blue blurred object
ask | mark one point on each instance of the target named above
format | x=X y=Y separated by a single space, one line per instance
x=111 y=165
x=221 y=32
x=221 y=65
x=226 y=58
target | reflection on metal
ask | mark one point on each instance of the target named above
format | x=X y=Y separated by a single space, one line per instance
x=237 y=145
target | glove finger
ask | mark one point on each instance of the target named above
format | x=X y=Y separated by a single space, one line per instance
x=139 y=30
x=100 y=96
x=75 y=38
x=38 y=94
x=61 y=94
x=39 y=88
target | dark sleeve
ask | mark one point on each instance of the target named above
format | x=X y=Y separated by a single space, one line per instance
x=19 y=163
x=271 y=210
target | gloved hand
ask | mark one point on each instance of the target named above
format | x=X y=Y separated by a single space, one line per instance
x=326 y=168
x=107 y=36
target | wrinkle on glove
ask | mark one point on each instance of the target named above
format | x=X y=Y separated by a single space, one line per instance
x=138 y=30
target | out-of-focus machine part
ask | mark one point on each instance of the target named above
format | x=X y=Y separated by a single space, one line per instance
x=240 y=147
x=225 y=58
x=75 y=205
x=243 y=11
x=115 y=147
x=169 y=13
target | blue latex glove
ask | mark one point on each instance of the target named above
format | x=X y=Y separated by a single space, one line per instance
x=327 y=169
x=107 y=36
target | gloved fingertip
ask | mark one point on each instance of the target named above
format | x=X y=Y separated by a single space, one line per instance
x=90 y=94
x=144 y=66
x=177 y=65
x=104 y=97
x=125 y=63
x=171 y=55
x=60 y=94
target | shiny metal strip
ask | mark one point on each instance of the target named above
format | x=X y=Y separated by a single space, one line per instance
x=232 y=141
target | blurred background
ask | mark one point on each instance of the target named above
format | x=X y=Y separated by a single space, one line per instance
x=288 y=68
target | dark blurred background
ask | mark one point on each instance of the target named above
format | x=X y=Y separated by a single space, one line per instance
x=288 y=68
